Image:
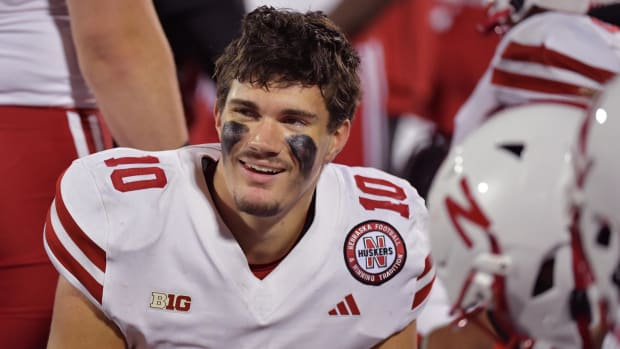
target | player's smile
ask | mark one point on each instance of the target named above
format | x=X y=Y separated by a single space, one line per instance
x=266 y=170
x=260 y=172
x=274 y=142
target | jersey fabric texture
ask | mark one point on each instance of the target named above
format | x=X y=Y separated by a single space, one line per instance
x=551 y=56
x=38 y=65
x=137 y=233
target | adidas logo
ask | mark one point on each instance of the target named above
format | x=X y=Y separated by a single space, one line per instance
x=345 y=307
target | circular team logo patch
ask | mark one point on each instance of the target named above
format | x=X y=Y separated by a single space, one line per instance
x=374 y=252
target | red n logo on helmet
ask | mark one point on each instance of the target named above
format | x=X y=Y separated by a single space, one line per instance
x=472 y=213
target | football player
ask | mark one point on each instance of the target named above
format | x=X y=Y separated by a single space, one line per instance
x=258 y=243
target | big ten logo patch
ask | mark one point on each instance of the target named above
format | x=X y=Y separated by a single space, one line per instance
x=170 y=301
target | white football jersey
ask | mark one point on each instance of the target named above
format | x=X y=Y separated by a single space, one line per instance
x=137 y=233
x=551 y=56
x=38 y=64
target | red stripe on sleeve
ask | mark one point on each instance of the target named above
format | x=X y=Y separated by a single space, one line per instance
x=96 y=254
x=543 y=55
x=422 y=294
x=70 y=263
x=537 y=84
x=428 y=265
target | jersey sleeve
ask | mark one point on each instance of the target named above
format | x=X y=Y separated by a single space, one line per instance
x=75 y=232
x=392 y=200
x=436 y=313
x=555 y=56
x=418 y=245
x=474 y=111
x=549 y=57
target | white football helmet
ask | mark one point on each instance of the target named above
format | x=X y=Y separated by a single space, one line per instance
x=596 y=195
x=499 y=228
x=516 y=10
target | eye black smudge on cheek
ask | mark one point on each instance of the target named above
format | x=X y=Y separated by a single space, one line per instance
x=304 y=150
x=232 y=132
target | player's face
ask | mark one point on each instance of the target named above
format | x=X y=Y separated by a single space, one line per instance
x=274 y=145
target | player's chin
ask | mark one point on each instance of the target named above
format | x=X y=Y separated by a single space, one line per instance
x=259 y=208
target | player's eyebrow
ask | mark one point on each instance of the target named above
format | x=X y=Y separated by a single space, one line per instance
x=301 y=113
x=243 y=102
x=289 y=111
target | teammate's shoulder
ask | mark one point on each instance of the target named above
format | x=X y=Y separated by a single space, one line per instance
x=551 y=19
x=551 y=26
x=577 y=49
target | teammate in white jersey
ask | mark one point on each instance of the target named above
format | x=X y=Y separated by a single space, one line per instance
x=49 y=116
x=560 y=55
x=260 y=244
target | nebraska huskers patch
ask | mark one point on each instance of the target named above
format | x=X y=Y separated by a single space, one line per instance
x=374 y=252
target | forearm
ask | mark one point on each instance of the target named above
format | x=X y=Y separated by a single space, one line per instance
x=125 y=58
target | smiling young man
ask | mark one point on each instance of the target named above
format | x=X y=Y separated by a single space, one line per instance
x=257 y=242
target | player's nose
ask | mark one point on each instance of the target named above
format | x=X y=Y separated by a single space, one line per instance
x=266 y=136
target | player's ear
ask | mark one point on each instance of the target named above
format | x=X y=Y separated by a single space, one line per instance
x=339 y=139
x=218 y=120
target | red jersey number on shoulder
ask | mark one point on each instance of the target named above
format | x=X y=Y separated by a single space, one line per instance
x=395 y=195
x=138 y=177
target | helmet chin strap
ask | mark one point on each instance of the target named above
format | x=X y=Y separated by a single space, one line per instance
x=503 y=330
x=473 y=299
x=488 y=273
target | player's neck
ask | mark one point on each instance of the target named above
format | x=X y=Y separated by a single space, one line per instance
x=262 y=239
x=272 y=241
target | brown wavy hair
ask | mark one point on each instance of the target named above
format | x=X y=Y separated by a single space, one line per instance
x=281 y=47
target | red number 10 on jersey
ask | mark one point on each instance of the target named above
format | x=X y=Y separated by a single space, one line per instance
x=145 y=177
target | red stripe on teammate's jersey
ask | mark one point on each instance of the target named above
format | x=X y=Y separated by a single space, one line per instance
x=70 y=263
x=90 y=249
x=532 y=83
x=422 y=294
x=543 y=55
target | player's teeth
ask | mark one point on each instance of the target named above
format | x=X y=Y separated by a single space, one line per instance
x=262 y=169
